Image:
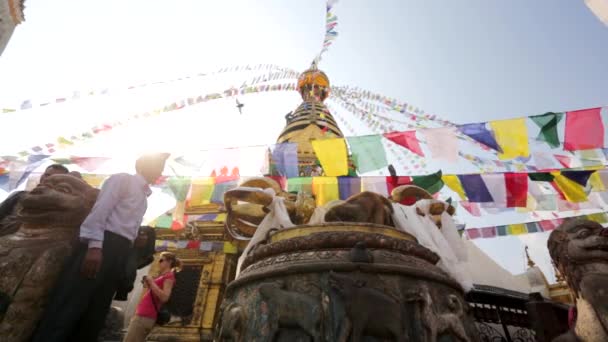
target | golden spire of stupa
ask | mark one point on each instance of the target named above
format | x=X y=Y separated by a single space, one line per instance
x=311 y=120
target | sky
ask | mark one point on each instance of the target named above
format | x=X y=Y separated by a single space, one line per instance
x=466 y=61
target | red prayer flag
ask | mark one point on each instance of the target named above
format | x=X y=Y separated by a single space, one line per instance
x=517 y=189
x=406 y=139
x=584 y=130
x=564 y=160
x=193 y=244
x=473 y=233
x=472 y=208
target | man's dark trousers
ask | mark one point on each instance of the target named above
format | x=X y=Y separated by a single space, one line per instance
x=78 y=306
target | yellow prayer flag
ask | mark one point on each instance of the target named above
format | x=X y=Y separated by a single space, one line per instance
x=596 y=182
x=517 y=229
x=202 y=189
x=220 y=217
x=512 y=137
x=94 y=180
x=453 y=183
x=573 y=191
x=325 y=189
x=333 y=155
x=229 y=248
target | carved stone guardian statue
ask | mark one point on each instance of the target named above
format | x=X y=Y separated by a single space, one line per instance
x=31 y=258
x=579 y=249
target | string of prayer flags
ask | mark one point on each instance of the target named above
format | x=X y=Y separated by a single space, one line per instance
x=475 y=188
x=512 y=137
x=325 y=189
x=584 y=130
x=479 y=133
x=285 y=158
x=333 y=156
x=442 y=142
x=406 y=139
x=368 y=152
x=528 y=227
x=548 y=127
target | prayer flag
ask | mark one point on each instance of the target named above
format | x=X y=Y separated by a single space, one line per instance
x=517 y=189
x=548 y=127
x=442 y=142
x=475 y=188
x=193 y=244
x=164 y=221
x=4 y=182
x=495 y=183
x=332 y=155
x=471 y=208
x=581 y=177
x=285 y=158
x=584 y=130
x=517 y=229
x=394 y=181
x=89 y=164
x=298 y=184
x=473 y=233
x=488 y=232
x=533 y=227
x=325 y=189
x=479 y=133
x=368 y=151
x=220 y=189
x=349 y=186
x=375 y=184
x=596 y=183
x=512 y=137
x=406 y=139
x=431 y=183
x=179 y=187
x=598 y=217
x=453 y=183
x=572 y=191
x=502 y=230
x=202 y=190
x=229 y=248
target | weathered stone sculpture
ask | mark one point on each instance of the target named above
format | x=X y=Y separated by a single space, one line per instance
x=31 y=258
x=579 y=249
x=364 y=207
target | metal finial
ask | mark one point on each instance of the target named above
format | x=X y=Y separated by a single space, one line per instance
x=530 y=262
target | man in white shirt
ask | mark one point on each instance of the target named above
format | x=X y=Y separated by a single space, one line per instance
x=83 y=294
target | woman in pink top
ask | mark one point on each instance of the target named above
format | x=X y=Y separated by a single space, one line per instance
x=160 y=287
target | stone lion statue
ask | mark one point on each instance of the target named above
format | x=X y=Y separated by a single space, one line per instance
x=579 y=249
x=32 y=257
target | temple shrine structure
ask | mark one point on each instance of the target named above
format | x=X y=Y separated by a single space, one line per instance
x=308 y=265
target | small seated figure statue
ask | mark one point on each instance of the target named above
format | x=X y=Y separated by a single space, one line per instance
x=579 y=250
x=33 y=256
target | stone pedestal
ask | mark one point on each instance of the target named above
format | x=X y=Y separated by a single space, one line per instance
x=343 y=282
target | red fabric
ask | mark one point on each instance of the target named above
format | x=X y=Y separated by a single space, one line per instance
x=473 y=233
x=584 y=130
x=281 y=180
x=145 y=308
x=192 y=244
x=393 y=182
x=406 y=139
x=517 y=189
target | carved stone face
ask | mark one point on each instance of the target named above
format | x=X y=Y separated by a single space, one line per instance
x=582 y=241
x=60 y=200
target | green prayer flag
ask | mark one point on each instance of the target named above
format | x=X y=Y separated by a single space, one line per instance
x=541 y=176
x=368 y=152
x=548 y=127
x=431 y=183
x=164 y=221
x=179 y=187
x=299 y=184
